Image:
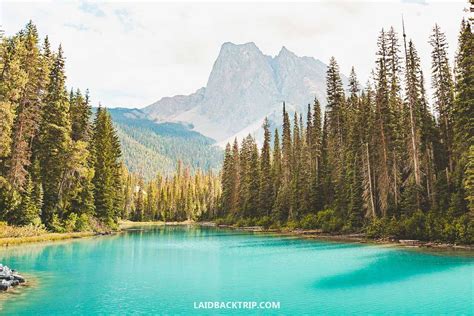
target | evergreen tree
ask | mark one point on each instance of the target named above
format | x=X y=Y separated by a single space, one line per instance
x=443 y=86
x=276 y=167
x=107 y=168
x=227 y=179
x=315 y=155
x=55 y=140
x=266 y=185
x=463 y=112
x=28 y=106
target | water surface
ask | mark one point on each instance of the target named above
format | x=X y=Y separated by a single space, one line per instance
x=164 y=270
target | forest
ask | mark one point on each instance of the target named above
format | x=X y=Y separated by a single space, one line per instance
x=59 y=168
x=377 y=161
x=381 y=159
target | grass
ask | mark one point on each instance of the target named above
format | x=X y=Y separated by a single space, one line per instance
x=13 y=235
x=7 y=241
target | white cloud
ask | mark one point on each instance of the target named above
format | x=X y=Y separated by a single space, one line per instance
x=131 y=54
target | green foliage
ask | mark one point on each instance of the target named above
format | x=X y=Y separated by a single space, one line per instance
x=70 y=223
x=310 y=221
x=379 y=162
x=107 y=176
x=328 y=221
x=56 y=225
x=83 y=223
x=9 y=200
x=46 y=154
x=150 y=148
x=264 y=221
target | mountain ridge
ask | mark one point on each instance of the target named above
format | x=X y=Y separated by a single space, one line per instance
x=244 y=86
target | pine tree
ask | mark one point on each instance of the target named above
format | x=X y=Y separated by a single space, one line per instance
x=28 y=107
x=28 y=211
x=236 y=178
x=366 y=121
x=413 y=120
x=227 y=179
x=335 y=151
x=315 y=154
x=443 y=86
x=55 y=140
x=276 y=167
x=80 y=116
x=384 y=127
x=107 y=186
x=283 y=199
x=354 y=155
x=463 y=112
x=266 y=185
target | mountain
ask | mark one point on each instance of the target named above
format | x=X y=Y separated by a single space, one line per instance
x=149 y=147
x=244 y=87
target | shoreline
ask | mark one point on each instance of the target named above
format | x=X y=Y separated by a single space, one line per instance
x=315 y=234
x=13 y=241
x=54 y=237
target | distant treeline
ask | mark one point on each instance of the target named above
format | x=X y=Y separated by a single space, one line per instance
x=179 y=197
x=57 y=167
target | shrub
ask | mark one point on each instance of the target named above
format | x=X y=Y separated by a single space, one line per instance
x=310 y=221
x=275 y=225
x=56 y=224
x=265 y=222
x=375 y=228
x=292 y=224
x=328 y=221
x=83 y=223
x=70 y=223
x=241 y=222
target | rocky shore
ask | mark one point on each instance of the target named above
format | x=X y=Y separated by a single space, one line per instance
x=9 y=278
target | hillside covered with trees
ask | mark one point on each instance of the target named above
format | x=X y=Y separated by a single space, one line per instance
x=149 y=147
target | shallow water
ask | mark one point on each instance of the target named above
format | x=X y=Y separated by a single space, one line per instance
x=164 y=270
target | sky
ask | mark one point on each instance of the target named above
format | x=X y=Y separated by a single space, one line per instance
x=130 y=54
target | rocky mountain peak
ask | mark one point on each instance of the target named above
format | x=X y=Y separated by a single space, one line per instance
x=243 y=87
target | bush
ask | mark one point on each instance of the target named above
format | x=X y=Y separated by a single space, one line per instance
x=70 y=223
x=414 y=226
x=329 y=222
x=375 y=228
x=56 y=224
x=265 y=222
x=10 y=199
x=245 y=222
x=292 y=224
x=275 y=225
x=310 y=221
x=83 y=223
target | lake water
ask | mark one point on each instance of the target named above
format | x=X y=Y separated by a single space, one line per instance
x=165 y=270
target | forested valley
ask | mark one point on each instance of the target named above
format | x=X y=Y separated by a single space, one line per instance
x=381 y=160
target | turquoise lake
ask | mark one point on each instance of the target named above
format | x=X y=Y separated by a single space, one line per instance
x=166 y=269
